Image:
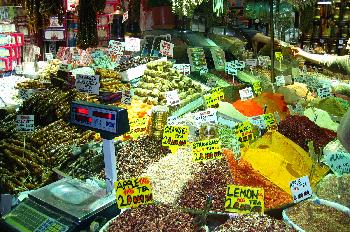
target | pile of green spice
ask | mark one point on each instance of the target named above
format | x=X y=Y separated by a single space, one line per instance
x=334 y=106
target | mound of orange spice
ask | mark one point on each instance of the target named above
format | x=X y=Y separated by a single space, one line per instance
x=245 y=175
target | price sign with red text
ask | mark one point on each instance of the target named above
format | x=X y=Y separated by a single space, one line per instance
x=132 y=44
x=133 y=192
x=244 y=200
x=166 y=48
x=301 y=189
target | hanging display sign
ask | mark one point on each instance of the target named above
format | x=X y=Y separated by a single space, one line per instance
x=132 y=44
x=301 y=189
x=206 y=150
x=134 y=192
x=166 y=48
x=88 y=83
x=184 y=69
x=244 y=200
x=25 y=123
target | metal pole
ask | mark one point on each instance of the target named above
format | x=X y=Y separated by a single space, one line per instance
x=110 y=164
x=272 y=35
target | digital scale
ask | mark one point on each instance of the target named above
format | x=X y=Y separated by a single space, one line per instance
x=71 y=204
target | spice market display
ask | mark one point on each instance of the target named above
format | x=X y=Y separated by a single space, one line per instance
x=120 y=116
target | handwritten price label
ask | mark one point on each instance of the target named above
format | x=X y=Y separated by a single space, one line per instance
x=175 y=136
x=206 y=150
x=246 y=93
x=257 y=88
x=270 y=121
x=244 y=200
x=172 y=98
x=244 y=131
x=184 y=69
x=339 y=162
x=324 y=92
x=301 y=189
x=138 y=127
x=88 y=83
x=134 y=192
x=132 y=44
x=25 y=123
x=166 y=48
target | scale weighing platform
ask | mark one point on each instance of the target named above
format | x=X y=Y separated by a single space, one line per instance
x=63 y=206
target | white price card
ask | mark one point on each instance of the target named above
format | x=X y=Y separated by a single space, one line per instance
x=172 y=98
x=251 y=62
x=49 y=56
x=184 y=69
x=211 y=82
x=301 y=189
x=339 y=162
x=240 y=64
x=126 y=97
x=246 y=93
x=88 y=83
x=25 y=123
x=280 y=81
x=264 y=61
x=206 y=116
x=166 y=48
x=26 y=93
x=125 y=16
x=132 y=44
x=116 y=47
x=324 y=92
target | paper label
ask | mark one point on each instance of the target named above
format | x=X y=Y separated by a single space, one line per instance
x=49 y=56
x=301 y=189
x=251 y=62
x=138 y=127
x=133 y=192
x=25 y=123
x=324 y=92
x=258 y=121
x=206 y=116
x=175 y=136
x=212 y=100
x=244 y=200
x=132 y=44
x=244 y=131
x=246 y=93
x=270 y=121
x=206 y=150
x=279 y=56
x=184 y=69
x=116 y=48
x=257 y=88
x=88 y=83
x=280 y=81
x=166 y=48
x=339 y=162
x=211 y=82
x=231 y=68
x=264 y=61
x=172 y=98
x=125 y=16
x=126 y=97
x=203 y=71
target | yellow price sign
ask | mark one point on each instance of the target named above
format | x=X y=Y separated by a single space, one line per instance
x=244 y=131
x=206 y=150
x=257 y=88
x=215 y=96
x=175 y=136
x=279 y=56
x=270 y=121
x=133 y=192
x=244 y=200
x=138 y=127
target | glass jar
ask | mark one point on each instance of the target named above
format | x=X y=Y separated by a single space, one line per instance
x=159 y=118
x=208 y=131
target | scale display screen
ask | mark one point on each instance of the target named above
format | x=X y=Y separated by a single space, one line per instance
x=108 y=120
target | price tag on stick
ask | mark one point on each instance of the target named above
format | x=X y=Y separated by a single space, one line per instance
x=301 y=189
x=166 y=48
x=88 y=83
x=25 y=123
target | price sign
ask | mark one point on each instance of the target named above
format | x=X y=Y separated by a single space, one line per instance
x=132 y=44
x=172 y=98
x=166 y=48
x=125 y=16
x=49 y=56
x=133 y=192
x=246 y=93
x=26 y=93
x=175 y=136
x=324 y=92
x=339 y=162
x=116 y=48
x=25 y=123
x=211 y=82
x=270 y=121
x=244 y=131
x=206 y=150
x=64 y=67
x=206 y=116
x=244 y=200
x=138 y=127
x=301 y=189
x=204 y=70
x=264 y=61
x=88 y=83
x=251 y=62
x=126 y=97
x=231 y=68
x=258 y=121
x=257 y=88
x=280 y=81
x=279 y=56
x=184 y=69
x=212 y=100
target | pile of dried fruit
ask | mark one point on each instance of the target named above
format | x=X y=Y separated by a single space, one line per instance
x=153 y=218
x=212 y=180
